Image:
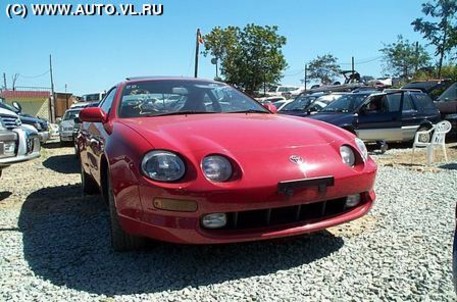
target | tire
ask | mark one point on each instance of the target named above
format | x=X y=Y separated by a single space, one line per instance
x=120 y=240
x=88 y=184
x=424 y=138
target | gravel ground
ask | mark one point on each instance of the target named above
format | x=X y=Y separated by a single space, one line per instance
x=54 y=246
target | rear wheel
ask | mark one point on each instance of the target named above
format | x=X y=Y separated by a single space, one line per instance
x=120 y=240
x=88 y=184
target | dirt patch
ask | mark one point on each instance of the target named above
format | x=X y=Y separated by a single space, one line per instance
x=354 y=228
x=418 y=161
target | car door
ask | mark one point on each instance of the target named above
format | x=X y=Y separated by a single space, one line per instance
x=411 y=118
x=94 y=135
x=382 y=122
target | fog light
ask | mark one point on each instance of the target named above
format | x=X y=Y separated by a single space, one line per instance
x=214 y=221
x=9 y=148
x=352 y=200
x=175 y=205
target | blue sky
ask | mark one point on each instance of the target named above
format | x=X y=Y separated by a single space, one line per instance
x=92 y=53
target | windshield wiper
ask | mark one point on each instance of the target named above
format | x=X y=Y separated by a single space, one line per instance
x=249 y=111
x=184 y=112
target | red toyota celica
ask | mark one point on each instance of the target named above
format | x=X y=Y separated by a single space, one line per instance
x=196 y=161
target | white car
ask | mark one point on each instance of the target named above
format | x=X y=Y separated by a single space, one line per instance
x=67 y=125
x=19 y=144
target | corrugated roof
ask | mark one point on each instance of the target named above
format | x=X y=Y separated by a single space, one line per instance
x=8 y=94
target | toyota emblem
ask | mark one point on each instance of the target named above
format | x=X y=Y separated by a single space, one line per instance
x=296 y=159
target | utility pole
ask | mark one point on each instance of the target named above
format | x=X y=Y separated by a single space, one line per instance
x=52 y=98
x=4 y=81
x=416 y=65
x=353 y=68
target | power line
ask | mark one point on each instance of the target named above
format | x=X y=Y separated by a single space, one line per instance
x=34 y=77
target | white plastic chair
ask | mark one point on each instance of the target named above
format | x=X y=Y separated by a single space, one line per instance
x=438 y=140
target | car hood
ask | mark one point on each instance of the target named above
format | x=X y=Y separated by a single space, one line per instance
x=259 y=144
x=335 y=118
x=231 y=132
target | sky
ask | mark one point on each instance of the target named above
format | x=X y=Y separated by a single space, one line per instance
x=92 y=53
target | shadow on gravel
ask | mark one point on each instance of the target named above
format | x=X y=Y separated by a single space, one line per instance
x=66 y=241
x=4 y=195
x=449 y=166
x=67 y=164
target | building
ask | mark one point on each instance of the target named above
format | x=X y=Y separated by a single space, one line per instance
x=38 y=103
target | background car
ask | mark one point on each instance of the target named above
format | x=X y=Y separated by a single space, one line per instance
x=41 y=125
x=67 y=125
x=17 y=145
x=216 y=166
x=306 y=104
x=390 y=116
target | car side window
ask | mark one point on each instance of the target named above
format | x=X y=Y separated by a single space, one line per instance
x=423 y=101
x=407 y=103
x=393 y=102
x=108 y=100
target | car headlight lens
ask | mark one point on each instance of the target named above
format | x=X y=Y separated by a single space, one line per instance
x=347 y=155
x=163 y=166
x=217 y=168
x=38 y=126
x=362 y=148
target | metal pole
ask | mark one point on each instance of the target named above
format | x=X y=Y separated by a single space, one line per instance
x=4 y=81
x=52 y=92
x=197 y=44
x=306 y=75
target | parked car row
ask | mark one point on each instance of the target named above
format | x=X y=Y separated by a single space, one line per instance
x=392 y=115
x=10 y=113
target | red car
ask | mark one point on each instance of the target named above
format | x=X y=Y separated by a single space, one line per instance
x=196 y=161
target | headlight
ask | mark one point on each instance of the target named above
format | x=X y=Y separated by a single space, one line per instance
x=347 y=155
x=163 y=166
x=38 y=126
x=362 y=148
x=217 y=168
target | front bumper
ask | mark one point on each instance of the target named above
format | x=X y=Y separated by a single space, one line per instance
x=66 y=136
x=44 y=136
x=266 y=211
x=27 y=147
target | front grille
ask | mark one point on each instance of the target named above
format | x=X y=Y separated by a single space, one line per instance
x=304 y=213
x=10 y=121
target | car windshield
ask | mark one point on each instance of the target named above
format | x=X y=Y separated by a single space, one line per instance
x=346 y=103
x=449 y=94
x=8 y=107
x=300 y=103
x=70 y=115
x=171 y=97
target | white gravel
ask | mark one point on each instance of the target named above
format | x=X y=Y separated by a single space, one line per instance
x=54 y=246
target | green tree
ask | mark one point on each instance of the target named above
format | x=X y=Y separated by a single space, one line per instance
x=324 y=68
x=442 y=32
x=403 y=58
x=250 y=56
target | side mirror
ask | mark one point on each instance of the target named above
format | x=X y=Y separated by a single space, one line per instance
x=58 y=120
x=17 y=106
x=93 y=114
x=270 y=107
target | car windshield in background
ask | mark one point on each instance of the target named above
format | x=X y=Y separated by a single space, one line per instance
x=346 y=103
x=70 y=115
x=300 y=103
x=169 y=97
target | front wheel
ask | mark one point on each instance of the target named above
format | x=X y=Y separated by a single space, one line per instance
x=425 y=137
x=120 y=240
